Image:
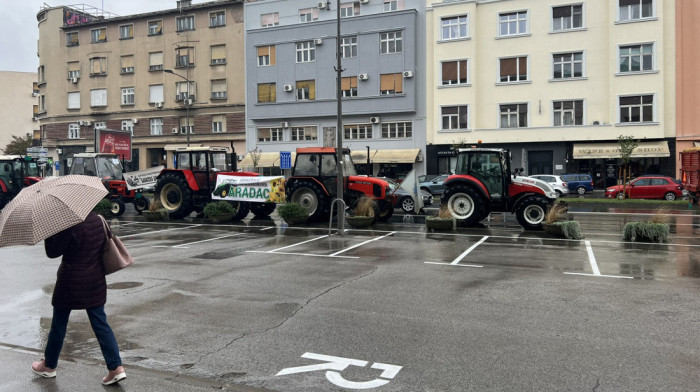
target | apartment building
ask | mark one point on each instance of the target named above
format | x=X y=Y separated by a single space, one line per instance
x=18 y=103
x=687 y=81
x=291 y=89
x=554 y=81
x=170 y=78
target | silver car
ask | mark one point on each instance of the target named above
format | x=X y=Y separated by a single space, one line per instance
x=560 y=186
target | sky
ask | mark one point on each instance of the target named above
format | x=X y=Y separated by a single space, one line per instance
x=19 y=32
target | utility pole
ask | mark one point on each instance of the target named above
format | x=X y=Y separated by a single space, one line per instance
x=339 y=129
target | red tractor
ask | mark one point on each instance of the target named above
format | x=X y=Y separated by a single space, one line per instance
x=109 y=169
x=483 y=183
x=16 y=172
x=314 y=180
x=189 y=186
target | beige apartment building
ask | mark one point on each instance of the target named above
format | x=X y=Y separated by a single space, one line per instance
x=18 y=102
x=170 y=77
x=554 y=81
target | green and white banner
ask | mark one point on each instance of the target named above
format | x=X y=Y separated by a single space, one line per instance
x=251 y=189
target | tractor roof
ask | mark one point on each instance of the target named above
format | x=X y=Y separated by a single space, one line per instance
x=93 y=155
x=481 y=149
x=9 y=157
x=206 y=148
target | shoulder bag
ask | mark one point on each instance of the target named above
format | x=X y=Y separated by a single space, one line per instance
x=114 y=253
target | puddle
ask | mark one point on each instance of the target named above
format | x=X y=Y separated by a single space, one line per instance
x=124 y=285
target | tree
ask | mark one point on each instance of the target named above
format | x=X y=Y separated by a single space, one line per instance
x=18 y=145
x=627 y=146
x=255 y=155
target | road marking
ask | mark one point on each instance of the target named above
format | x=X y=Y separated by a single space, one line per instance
x=289 y=246
x=157 y=231
x=471 y=248
x=299 y=254
x=182 y=246
x=600 y=276
x=455 y=265
x=591 y=258
x=360 y=244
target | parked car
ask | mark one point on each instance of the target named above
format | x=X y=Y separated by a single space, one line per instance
x=556 y=182
x=426 y=177
x=660 y=187
x=435 y=186
x=404 y=199
x=579 y=183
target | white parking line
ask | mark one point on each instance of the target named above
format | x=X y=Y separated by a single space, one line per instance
x=303 y=242
x=360 y=244
x=471 y=248
x=157 y=231
x=455 y=265
x=182 y=246
x=300 y=254
x=594 y=266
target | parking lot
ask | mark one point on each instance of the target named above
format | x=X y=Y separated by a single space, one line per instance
x=395 y=308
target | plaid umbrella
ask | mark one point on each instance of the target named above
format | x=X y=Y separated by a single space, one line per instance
x=48 y=207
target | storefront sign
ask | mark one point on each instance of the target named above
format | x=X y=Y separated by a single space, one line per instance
x=612 y=150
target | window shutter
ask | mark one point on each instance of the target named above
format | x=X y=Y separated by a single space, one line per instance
x=508 y=67
x=449 y=71
x=218 y=52
x=156 y=58
x=127 y=61
x=386 y=82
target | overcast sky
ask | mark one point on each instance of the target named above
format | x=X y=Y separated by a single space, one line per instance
x=19 y=31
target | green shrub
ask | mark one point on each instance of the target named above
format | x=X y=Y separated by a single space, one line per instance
x=570 y=230
x=645 y=232
x=218 y=208
x=291 y=210
x=104 y=208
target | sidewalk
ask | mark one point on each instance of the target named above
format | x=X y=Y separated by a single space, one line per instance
x=79 y=374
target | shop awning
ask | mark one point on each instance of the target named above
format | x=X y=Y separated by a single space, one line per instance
x=396 y=156
x=173 y=147
x=612 y=150
x=360 y=156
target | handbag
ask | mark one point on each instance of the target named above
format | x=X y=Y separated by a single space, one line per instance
x=114 y=254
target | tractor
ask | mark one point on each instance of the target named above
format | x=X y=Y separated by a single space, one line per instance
x=190 y=185
x=109 y=169
x=313 y=184
x=16 y=172
x=483 y=183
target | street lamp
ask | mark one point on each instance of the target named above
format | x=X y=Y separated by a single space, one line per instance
x=187 y=102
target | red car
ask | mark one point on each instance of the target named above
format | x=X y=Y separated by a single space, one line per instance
x=656 y=187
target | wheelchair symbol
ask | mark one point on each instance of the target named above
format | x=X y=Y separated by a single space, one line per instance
x=334 y=365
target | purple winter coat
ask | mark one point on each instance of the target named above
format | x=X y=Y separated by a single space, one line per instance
x=80 y=282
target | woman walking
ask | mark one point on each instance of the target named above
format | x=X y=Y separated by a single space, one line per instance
x=80 y=284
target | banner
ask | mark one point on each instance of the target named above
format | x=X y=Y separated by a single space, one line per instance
x=252 y=189
x=410 y=185
x=142 y=178
x=111 y=141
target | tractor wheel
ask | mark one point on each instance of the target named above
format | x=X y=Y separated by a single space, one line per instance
x=530 y=212
x=141 y=204
x=310 y=196
x=118 y=206
x=262 y=209
x=242 y=209
x=175 y=195
x=386 y=211
x=465 y=204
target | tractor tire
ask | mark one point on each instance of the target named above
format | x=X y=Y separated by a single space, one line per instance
x=530 y=212
x=465 y=204
x=386 y=211
x=310 y=196
x=118 y=206
x=242 y=209
x=175 y=195
x=262 y=209
x=141 y=204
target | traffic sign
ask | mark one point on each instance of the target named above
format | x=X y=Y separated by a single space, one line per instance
x=285 y=160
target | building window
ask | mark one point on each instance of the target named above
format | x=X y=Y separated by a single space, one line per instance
x=454 y=72
x=637 y=109
x=349 y=9
x=98 y=66
x=348 y=47
x=269 y=20
x=128 y=96
x=514 y=115
x=269 y=134
x=72 y=38
x=358 y=131
x=42 y=103
x=74 y=70
x=567 y=65
x=184 y=23
x=394 y=5
x=98 y=35
x=126 y=31
x=267 y=92
x=184 y=57
x=155 y=93
x=218 y=123
x=155 y=61
x=513 y=23
x=390 y=84
x=186 y=125
x=156 y=126
x=98 y=97
x=306 y=52
x=74 y=100
x=73 y=131
x=128 y=125
x=306 y=90
x=218 y=54
x=513 y=69
x=391 y=42
x=397 y=130
x=567 y=17
x=308 y=15
x=304 y=133
x=100 y=125
x=454 y=27
x=127 y=63
x=41 y=76
x=455 y=117
x=183 y=89
x=636 y=58
x=218 y=89
x=636 y=9
x=217 y=19
x=568 y=113
x=266 y=56
x=155 y=27
x=348 y=86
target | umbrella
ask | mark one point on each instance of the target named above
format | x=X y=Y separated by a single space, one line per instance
x=48 y=207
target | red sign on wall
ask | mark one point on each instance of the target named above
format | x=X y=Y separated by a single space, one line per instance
x=115 y=142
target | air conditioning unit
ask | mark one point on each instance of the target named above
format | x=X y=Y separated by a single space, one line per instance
x=35 y=95
x=88 y=123
x=189 y=102
x=364 y=1
x=159 y=104
x=363 y=76
x=288 y=87
x=318 y=41
x=74 y=80
x=135 y=120
x=374 y=120
x=81 y=123
x=59 y=151
x=407 y=74
x=284 y=124
x=322 y=5
x=174 y=130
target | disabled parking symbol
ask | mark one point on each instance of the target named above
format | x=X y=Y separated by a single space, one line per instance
x=334 y=365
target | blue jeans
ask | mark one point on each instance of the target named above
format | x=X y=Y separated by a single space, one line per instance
x=104 y=334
